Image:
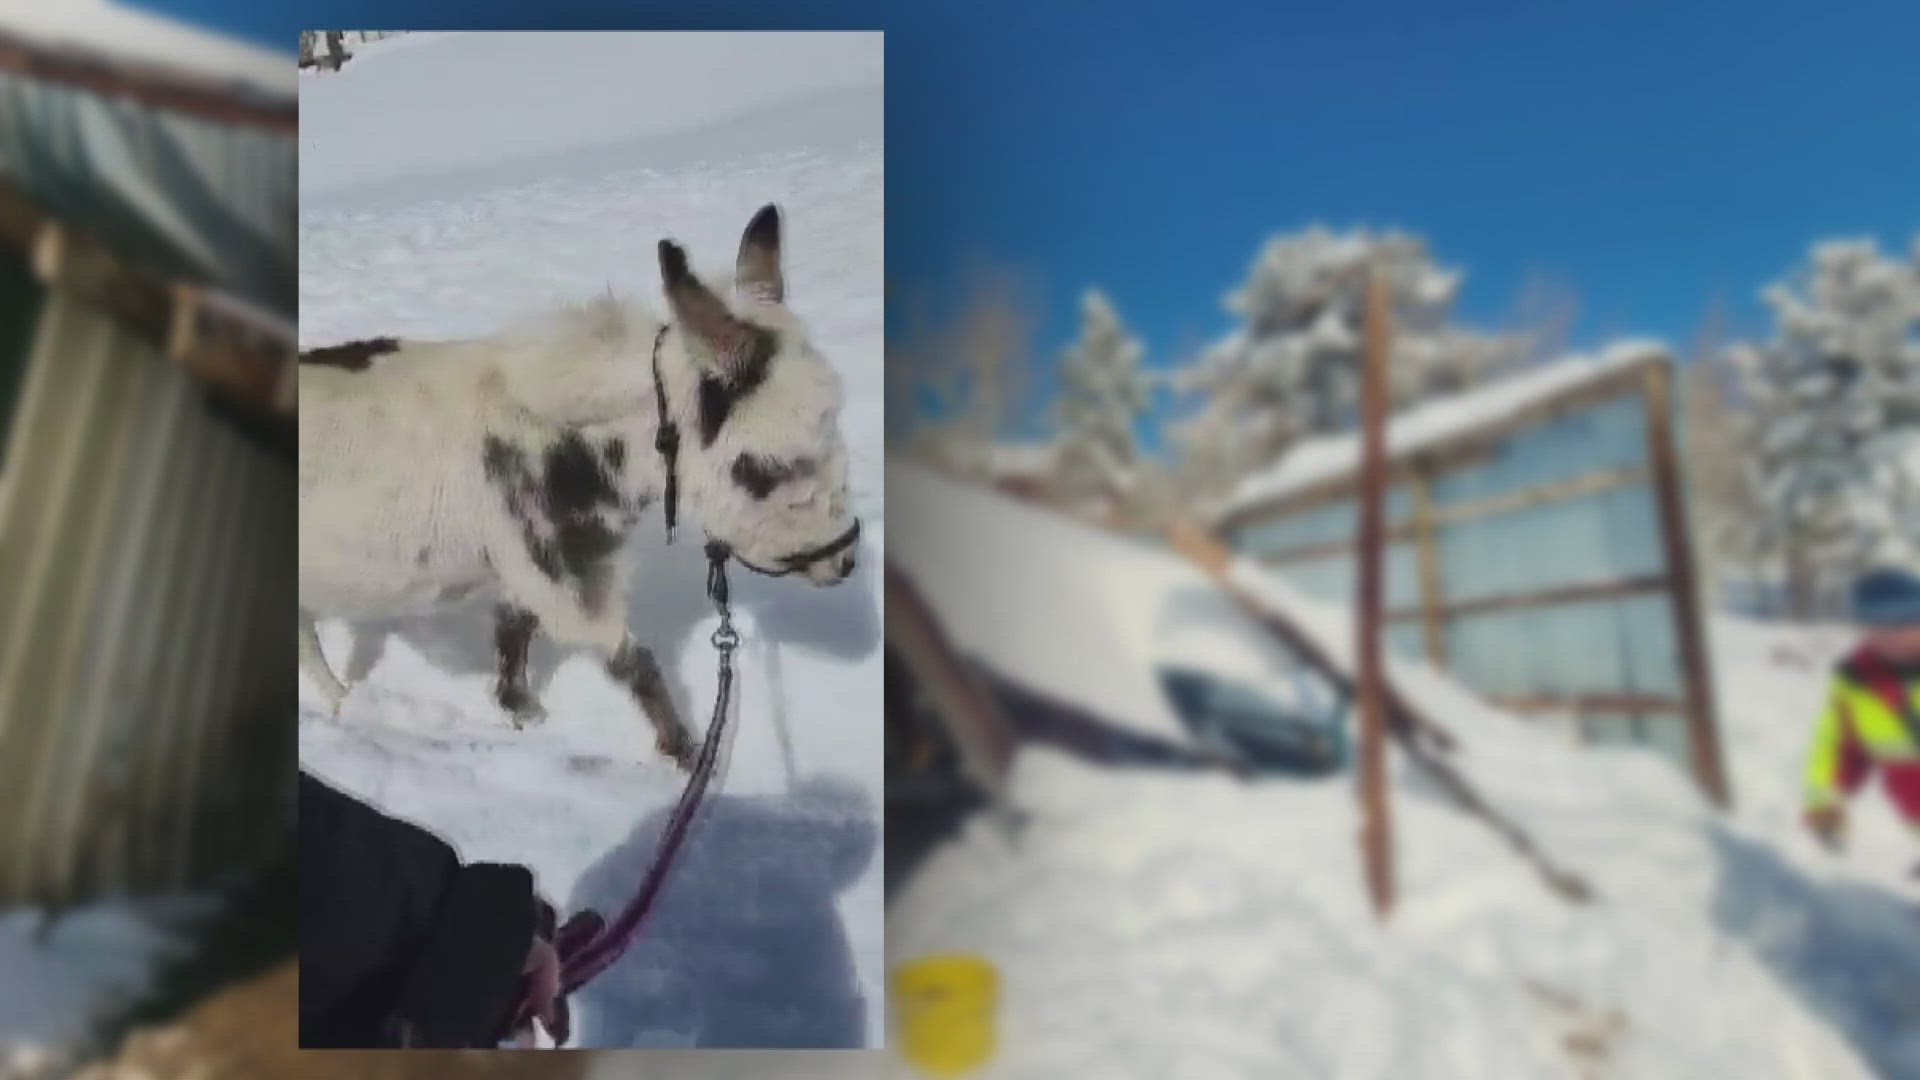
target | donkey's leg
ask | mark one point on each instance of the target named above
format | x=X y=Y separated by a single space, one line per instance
x=513 y=630
x=603 y=593
x=314 y=662
x=591 y=614
x=633 y=666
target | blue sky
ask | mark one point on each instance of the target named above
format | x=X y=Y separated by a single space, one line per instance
x=1649 y=159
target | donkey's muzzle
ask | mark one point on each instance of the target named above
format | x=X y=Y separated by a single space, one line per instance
x=826 y=564
x=832 y=562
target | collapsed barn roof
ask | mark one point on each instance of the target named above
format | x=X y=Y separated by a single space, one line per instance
x=1076 y=615
x=172 y=146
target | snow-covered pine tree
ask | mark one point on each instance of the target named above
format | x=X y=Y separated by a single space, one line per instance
x=1103 y=396
x=1833 y=409
x=1293 y=367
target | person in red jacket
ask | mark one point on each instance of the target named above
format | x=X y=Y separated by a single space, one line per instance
x=1872 y=719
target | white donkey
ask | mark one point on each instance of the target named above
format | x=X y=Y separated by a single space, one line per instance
x=520 y=463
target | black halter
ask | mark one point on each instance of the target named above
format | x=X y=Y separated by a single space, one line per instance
x=666 y=440
x=800 y=560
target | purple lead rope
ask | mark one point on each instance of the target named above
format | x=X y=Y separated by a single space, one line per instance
x=602 y=950
x=587 y=945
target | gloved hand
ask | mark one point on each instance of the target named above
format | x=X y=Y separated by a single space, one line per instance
x=542 y=990
x=540 y=998
x=541 y=980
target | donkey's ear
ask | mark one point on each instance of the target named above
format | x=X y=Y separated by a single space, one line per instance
x=730 y=348
x=756 y=272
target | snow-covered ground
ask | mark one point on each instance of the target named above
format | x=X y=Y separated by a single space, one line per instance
x=56 y=980
x=453 y=182
x=1156 y=925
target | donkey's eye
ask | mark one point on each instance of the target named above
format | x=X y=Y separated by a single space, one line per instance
x=758 y=476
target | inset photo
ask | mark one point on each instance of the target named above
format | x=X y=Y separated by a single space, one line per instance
x=591 y=439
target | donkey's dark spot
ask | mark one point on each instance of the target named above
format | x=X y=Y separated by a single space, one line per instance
x=570 y=515
x=351 y=355
x=423 y=557
x=758 y=476
x=544 y=553
x=575 y=483
x=583 y=546
x=506 y=468
x=716 y=401
x=455 y=593
x=500 y=458
x=583 y=505
x=718 y=396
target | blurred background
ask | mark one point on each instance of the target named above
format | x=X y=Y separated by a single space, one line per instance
x=1651 y=374
x=1654 y=292
x=146 y=522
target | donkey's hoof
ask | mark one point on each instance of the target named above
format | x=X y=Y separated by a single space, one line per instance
x=531 y=714
x=678 y=744
x=338 y=702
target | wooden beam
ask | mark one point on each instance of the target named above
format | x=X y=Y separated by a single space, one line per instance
x=1703 y=734
x=239 y=352
x=981 y=735
x=1577 y=704
x=1394 y=534
x=1376 y=811
x=150 y=87
x=1433 y=598
x=1544 y=598
x=1558 y=491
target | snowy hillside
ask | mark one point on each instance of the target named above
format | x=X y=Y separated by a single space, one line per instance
x=1149 y=925
x=560 y=104
x=460 y=190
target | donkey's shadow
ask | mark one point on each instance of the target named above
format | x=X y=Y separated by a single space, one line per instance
x=667 y=602
x=743 y=947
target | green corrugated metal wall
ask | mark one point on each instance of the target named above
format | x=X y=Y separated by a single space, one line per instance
x=146 y=682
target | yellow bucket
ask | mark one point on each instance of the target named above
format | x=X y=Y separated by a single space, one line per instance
x=946 y=1005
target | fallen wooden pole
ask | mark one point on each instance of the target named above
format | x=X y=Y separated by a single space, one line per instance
x=1207 y=552
x=1415 y=733
x=981 y=735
